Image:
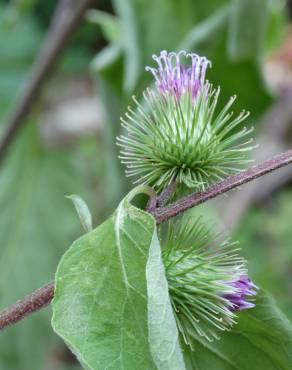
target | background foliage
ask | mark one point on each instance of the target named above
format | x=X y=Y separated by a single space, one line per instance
x=108 y=55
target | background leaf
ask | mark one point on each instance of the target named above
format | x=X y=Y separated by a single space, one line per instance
x=247 y=29
x=109 y=24
x=130 y=42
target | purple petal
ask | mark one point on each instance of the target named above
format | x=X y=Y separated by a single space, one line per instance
x=244 y=288
x=177 y=78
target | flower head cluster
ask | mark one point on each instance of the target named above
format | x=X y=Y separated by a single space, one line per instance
x=178 y=132
x=208 y=282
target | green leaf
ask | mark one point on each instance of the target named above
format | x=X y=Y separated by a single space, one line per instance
x=130 y=32
x=236 y=74
x=17 y=55
x=105 y=58
x=262 y=339
x=205 y=29
x=163 y=332
x=82 y=211
x=100 y=303
x=277 y=26
x=247 y=29
x=20 y=8
x=109 y=24
x=117 y=183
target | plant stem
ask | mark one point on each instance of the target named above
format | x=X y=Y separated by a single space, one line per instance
x=167 y=193
x=43 y=296
x=161 y=200
x=165 y=213
x=29 y=304
x=152 y=204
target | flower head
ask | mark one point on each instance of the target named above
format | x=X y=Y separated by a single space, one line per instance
x=178 y=130
x=208 y=282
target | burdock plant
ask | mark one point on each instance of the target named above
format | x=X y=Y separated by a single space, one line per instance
x=148 y=291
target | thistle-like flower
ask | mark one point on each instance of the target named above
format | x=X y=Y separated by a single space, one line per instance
x=178 y=131
x=208 y=282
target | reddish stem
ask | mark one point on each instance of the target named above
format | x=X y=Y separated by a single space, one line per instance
x=29 y=304
x=165 y=213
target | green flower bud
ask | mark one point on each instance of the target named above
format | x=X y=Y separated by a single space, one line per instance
x=208 y=281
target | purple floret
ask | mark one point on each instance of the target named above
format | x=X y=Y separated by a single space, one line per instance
x=239 y=299
x=172 y=76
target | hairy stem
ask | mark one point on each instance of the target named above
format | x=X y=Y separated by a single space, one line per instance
x=152 y=204
x=165 y=213
x=29 y=304
x=167 y=193
x=43 y=296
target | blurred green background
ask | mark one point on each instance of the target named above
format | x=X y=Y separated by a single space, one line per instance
x=67 y=145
